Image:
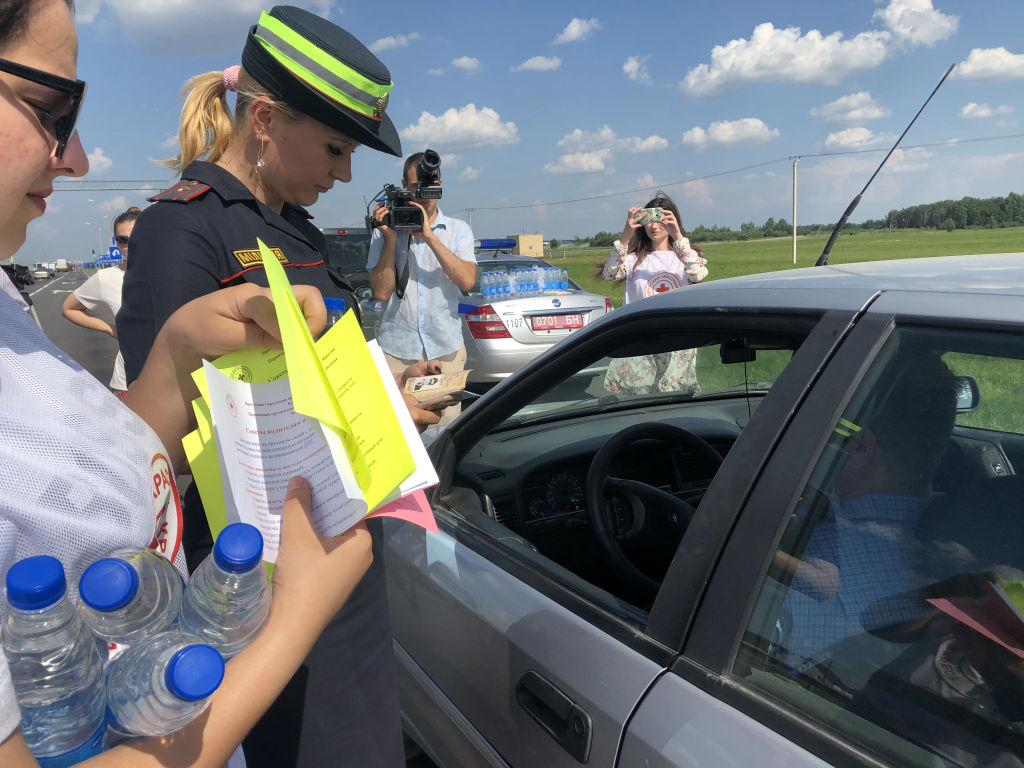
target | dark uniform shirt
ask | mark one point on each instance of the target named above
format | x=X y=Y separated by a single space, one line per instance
x=341 y=707
x=199 y=236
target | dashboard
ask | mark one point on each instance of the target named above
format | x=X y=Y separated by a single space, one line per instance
x=535 y=477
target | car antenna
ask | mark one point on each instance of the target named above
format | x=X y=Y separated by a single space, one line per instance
x=823 y=259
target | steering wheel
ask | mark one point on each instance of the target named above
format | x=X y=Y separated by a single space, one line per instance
x=658 y=517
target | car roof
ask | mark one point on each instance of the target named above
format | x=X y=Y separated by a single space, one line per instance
x=851 y=286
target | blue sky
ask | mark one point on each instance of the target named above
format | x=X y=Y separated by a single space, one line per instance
x=554 y=117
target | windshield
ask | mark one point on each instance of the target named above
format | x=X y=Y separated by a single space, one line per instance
x=614 y=383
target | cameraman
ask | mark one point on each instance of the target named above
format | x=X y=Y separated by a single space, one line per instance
x=420 y=274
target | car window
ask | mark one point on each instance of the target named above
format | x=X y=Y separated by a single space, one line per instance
x=719 y=369
x=892 y=611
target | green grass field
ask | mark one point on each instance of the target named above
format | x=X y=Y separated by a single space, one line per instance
x=998 y=380
x=743 y=258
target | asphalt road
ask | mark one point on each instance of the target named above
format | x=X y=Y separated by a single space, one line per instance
x=93 y=350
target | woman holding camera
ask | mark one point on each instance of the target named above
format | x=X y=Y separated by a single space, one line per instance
x=308 y=94
x=653 y=255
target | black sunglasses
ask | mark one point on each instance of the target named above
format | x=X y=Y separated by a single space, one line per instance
x=64 y=125
x=121 y=240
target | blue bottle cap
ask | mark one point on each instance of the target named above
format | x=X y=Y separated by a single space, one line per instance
x=335 y=305
x=35 y=582
x=108 y=584
x=194 y=672
x=239 y=548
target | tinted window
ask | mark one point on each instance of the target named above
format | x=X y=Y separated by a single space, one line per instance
x=893 y=610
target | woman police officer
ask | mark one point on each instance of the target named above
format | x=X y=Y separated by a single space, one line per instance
x=308 y=94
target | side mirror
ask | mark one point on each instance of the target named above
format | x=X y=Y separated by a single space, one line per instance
x=968 y=398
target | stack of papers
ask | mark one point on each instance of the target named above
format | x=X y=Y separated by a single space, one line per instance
x=328 y=410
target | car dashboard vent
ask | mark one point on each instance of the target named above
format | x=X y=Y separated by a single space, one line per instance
x=491 y=474
x=505 y=511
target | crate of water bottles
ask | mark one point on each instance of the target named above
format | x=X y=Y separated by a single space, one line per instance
x=498 y=285
x=141 y=653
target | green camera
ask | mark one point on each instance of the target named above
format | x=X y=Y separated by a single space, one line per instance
x=654 y=214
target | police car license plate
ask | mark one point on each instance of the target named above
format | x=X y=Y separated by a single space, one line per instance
x=556 y=322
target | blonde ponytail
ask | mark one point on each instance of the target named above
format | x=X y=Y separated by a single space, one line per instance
x=206 y=124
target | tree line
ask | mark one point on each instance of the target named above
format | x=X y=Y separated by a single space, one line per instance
x=966 y=213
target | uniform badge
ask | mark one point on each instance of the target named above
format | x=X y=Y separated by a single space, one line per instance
x=380 y=106
x=251 y=257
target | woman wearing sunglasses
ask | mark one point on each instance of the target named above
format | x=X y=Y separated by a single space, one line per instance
x=79 y=466
x=103 y=289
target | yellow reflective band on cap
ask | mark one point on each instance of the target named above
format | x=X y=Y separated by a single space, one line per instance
x=322 y=71
x=846 y=428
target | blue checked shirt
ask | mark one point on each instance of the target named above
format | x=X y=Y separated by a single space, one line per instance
x=871 y=541
x=427 y=319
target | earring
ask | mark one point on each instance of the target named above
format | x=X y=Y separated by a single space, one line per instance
x=259 y=158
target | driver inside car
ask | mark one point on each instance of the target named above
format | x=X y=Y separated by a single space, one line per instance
x=860 y=550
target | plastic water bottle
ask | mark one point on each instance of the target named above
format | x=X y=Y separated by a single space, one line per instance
x=505 y=284
x=161 y=684
x=335 y=309
x=487 y=284
x=227 y=600
x=564 y=282
x=55 y=666
x=130 y=595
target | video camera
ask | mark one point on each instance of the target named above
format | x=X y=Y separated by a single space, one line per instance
x=401 y=213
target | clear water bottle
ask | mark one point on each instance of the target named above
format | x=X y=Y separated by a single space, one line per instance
x=335 y=309
x=487 y=284
x=161 y=684
x=564 y=282
x=128 y=596
x=227 y=600
x=55 y=666
x=505 y=284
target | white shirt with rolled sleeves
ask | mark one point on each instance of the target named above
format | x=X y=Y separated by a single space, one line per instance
x=426 y=320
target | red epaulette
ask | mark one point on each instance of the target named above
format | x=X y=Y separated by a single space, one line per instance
x=184 y=191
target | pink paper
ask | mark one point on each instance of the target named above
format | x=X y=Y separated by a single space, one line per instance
x=413 y=508
x=993 y=618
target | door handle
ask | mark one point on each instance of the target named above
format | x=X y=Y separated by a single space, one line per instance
x=556 y=713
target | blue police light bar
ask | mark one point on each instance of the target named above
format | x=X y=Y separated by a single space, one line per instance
x=497 y=245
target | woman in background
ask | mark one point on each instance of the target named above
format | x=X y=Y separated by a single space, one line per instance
x=653 y=255
x=103 y=289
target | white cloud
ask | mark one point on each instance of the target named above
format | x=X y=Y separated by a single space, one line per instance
x=857 y=138
x=786 y=55
x=183 y=27
x=991 y=64
x=580 y=162
x=469 y=174
x=170 y=143
x=916 y=22
x=974 y=111
x=635 y=68
x=645 y=181
x=437 y=72
x=577 y=29
x=852 y=109
x=99 y=162
x=538 y=64
x=393 y=41
x=463 y=128
x=744 y=130
x=605 y=138
x=467 y=64
x=114 y=205
x=697 y=192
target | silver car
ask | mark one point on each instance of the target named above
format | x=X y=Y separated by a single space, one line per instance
x=813 y=555
x=504 y=335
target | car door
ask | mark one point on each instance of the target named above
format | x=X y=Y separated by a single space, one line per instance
x=505 y=659
x=903 y=679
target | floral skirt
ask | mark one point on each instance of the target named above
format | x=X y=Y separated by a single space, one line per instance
x=661 y=372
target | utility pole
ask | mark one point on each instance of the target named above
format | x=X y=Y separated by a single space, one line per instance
x=469 y=216
x=795 y=159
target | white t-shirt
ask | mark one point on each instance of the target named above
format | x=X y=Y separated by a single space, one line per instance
x=104 y=289
x=661 y=271
x=82 y=473
x=10 y=716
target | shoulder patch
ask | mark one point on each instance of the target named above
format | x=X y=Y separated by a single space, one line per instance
x=252 y=258
x=184 y=191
